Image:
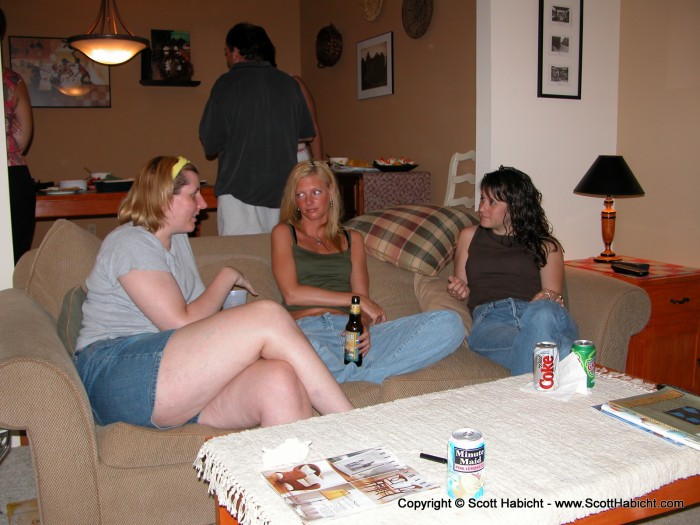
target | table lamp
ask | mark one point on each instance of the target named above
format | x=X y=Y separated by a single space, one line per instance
x=609 y=177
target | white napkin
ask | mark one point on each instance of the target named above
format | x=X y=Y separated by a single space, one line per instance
x=291 y=451
x=571 y=378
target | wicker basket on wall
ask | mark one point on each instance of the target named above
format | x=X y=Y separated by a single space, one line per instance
x=329 y=46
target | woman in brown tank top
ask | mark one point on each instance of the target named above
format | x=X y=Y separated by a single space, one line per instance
x=510 y=270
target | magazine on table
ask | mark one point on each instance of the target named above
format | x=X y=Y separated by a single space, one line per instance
x=637 y=422
x=345 y=484
x=669 y=412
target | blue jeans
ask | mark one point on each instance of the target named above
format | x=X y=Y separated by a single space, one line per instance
x=120 y=377
x=397 y=347
x=506 y=331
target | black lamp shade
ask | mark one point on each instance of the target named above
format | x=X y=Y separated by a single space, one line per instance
x=609 y=176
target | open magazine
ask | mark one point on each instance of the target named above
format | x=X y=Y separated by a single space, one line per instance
x=345 y=484
x=668 y=412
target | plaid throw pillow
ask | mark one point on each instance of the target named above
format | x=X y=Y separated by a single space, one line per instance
x=420 y=238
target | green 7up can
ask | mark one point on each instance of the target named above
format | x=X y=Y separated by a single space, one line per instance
x=585 y=351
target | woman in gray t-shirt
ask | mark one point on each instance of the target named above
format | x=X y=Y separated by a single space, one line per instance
x=155 y=348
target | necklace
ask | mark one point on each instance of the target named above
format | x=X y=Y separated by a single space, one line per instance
x=315 y=238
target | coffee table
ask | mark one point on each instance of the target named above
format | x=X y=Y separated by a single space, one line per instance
x=541 y=454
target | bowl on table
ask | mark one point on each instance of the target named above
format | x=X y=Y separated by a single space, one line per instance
x=97 y=176
x=75 y=184
x=108 y=186
x=338 y=161
x=395 y=166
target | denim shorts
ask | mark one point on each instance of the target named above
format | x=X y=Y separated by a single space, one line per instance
x=120 y=376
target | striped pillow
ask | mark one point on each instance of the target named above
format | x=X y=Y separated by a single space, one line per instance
x=420 y=238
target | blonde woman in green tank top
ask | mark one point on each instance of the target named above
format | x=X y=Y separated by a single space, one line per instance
x=319 y=266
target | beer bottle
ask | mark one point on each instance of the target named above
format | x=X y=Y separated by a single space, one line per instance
x=353 y=330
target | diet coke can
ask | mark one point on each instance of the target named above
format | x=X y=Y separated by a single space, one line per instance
x=546 y=362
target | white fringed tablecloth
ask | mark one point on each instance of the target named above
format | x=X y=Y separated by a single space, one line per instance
x=538 y=451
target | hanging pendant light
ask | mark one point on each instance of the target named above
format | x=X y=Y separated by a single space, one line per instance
x=103 y=43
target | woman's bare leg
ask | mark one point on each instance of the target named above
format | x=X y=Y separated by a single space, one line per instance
x=266 y=393
x=202 y=359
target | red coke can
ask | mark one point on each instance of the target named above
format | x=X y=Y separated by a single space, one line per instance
x=545 y=365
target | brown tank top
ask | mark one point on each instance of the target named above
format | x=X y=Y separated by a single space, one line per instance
x=499 y=267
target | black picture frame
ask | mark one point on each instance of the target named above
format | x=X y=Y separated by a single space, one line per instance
x=58 y=76
x=560 y=49
x=375 y=66
x=168 y=61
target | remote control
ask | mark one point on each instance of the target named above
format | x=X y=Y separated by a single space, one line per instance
x=630 y=268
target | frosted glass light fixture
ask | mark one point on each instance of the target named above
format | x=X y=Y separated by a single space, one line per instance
x=104 y=43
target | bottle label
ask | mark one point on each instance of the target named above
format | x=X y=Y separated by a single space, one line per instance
x=352 y=352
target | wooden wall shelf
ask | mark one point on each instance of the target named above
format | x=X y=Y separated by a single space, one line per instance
x=170 y=83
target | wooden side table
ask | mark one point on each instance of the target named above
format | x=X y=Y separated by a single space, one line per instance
x=94 y=204
x=364 y=191
x=668 y=349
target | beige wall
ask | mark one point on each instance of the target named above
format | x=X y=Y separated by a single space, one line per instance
x=143 y=121
x=432 y=112
x=553 y=140
x=659 y=129
x=430 y=116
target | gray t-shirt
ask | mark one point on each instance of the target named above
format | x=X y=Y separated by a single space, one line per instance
x=108 y=312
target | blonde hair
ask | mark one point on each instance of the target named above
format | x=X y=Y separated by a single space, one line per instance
x=152 y=192
x=289 y=213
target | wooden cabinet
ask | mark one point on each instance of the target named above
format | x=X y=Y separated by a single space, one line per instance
x=668 y=349
x=364 y=191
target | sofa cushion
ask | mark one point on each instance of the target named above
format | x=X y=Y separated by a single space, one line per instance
x=419 y=238
x=63 y=260
x=431 y=293
x=254 y=267
x=70 y=317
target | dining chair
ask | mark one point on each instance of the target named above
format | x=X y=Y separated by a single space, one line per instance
x=453 y=179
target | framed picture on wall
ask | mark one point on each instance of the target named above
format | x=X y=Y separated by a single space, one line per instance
x=58 y=76
x=375 y=66
x=560 y=34
x=168 y=61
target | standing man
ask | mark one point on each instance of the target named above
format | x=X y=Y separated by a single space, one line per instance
x=254 y=119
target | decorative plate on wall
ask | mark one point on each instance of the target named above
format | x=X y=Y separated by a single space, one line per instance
x=371 y=9
x=329 y=46
x=416 y=16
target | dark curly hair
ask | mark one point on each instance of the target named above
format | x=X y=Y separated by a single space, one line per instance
x=252 y=42
x=528 y=221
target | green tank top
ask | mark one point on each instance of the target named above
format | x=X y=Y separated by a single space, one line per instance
x=330 y=271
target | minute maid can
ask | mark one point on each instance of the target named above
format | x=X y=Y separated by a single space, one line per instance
x=465 y=464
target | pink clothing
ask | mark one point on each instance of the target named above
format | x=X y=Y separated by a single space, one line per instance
x=10 y=80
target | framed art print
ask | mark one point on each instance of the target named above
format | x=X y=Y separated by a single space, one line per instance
x=560 y=56
x=375 y=66
x=58 y=76
x=169 y=59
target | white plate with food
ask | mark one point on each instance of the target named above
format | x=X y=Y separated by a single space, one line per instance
x=60 y=191
x=352 y=169
x=395 y=164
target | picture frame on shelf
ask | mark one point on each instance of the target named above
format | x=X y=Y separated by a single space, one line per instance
x=168 y=61
x=560 y=50
x=375 y=66
x=58 y=76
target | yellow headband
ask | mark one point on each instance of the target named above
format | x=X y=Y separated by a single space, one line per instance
x=181 y=161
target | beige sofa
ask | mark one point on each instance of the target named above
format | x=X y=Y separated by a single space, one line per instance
x=119 y=474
